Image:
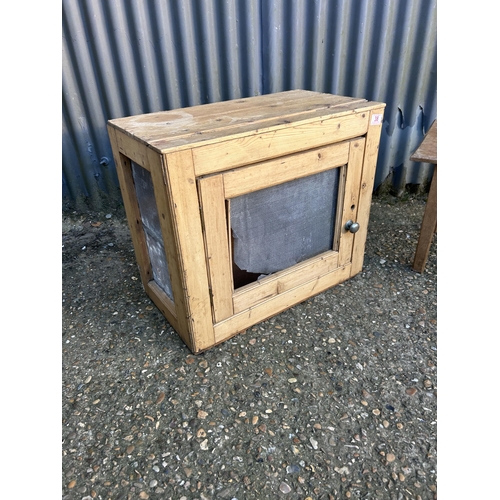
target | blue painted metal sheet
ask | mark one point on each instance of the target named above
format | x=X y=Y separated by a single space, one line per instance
x=127 y=57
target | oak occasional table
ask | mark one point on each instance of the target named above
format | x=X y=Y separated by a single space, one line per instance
x=427 y=153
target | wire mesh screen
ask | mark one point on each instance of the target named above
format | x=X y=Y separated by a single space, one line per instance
x=151 y=223
x=277 y=227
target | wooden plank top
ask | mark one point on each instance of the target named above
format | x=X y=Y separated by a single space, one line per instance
x=167 y=131
x=427 y=151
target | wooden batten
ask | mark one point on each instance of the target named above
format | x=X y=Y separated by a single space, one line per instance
x=136 y=151
x=272 y=172
x=274 y=305
x=260 y=146
x=196 y=314
x=351 y=199
x=250 y=295
x=124 y=172
x=213 y=206
x=165 y=305
x=366 y=183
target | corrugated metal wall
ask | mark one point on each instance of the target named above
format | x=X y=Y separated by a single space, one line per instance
x=126 y=57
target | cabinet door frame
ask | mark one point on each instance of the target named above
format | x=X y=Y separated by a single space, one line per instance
x=235 y=310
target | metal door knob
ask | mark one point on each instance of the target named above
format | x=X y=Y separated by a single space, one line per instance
x=351 y=226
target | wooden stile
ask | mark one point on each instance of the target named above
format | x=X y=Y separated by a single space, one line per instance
x=202 y=158
x=211 y=190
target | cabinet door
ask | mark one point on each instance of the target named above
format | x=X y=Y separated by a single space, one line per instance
x=275 y=231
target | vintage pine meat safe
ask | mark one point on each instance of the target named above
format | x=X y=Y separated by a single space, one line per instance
x=241 y=209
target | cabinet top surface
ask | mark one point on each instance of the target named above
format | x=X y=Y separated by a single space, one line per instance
x=180 y=128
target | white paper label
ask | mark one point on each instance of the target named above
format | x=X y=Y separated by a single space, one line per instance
x=376 y=119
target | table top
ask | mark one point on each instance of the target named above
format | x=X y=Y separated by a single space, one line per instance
x=427 y=151
x=213 y=122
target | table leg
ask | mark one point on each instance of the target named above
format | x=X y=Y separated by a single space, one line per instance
x=428 y=228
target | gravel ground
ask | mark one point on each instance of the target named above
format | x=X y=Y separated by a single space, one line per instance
x=335 y=398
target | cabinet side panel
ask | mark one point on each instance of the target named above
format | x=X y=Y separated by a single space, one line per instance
x=163 y=206
x=151 y=224
x=124 y=172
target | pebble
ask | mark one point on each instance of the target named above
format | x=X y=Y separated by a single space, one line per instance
x=292 y=380
x=204 y=444
x=292 y=469
x=390 y=457
x=411 y=391
x=284 y=488
x=376 y=411
x=314 y=443
x=341 y=470
x=153 y=483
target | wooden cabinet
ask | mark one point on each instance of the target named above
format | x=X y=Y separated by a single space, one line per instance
x=241 y=209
